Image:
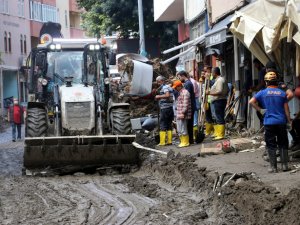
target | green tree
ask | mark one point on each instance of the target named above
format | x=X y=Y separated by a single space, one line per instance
x=106 y=16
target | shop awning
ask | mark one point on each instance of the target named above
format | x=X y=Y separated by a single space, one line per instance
x=194 y=42
x=263 y=24
x=217 y=34
x=193 y=48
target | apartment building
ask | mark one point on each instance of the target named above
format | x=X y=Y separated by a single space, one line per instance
x=21 y=21
x=65 y=12
x=14 y=48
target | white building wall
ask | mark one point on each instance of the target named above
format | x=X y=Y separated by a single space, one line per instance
x=63 y=17
x=192 y=9
x=160 y=6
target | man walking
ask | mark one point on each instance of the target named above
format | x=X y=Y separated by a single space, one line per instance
x=218 y=93
x=15 y=116
x=165 y=98
x=273 y=104
x=184 y=113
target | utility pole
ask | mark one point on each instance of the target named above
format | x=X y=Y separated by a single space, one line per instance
x=141 y=28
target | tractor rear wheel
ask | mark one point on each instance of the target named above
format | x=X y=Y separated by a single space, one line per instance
x=36 y=122
x=120 y=118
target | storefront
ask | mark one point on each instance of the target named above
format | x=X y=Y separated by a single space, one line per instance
x=9 y=86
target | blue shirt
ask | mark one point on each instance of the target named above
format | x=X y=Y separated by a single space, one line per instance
x=273 y=100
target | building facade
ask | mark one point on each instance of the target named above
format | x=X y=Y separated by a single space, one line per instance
x=21 y=21
x=14 y=47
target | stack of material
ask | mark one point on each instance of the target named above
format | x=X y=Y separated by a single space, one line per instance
x=142 y=106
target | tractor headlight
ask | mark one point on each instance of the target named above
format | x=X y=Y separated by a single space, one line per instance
x=92 y=47
x=58 y=46
x=52 y=47
x=55 y=47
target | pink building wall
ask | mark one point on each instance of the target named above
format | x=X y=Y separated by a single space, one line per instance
x=16 y=26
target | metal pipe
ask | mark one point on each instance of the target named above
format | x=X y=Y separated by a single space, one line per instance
x=141 y=27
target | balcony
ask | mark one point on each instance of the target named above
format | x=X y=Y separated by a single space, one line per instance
x=168 y=10
x=76 y=33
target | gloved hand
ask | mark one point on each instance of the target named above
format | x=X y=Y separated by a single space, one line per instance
x=262 y=111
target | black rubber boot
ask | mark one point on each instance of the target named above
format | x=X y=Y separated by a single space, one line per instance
x=284 y=159
x=273 y=161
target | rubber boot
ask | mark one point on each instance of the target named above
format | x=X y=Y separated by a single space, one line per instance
x=195 y=130
x=162 y=138
x=169 y=137
x=220 y=132
x=209 y=129
x=181 y=142
x=284 y=159
x=184 y=141
x=273 y=161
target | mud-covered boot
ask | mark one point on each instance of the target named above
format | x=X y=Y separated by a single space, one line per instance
x=184 y=141
x=265 y=155
x=284 y=159
x=273 y=161
x=209 y=129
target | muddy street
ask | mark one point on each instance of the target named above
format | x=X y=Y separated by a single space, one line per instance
x=166 y=190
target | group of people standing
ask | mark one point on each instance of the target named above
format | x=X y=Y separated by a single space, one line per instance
x=181 y=100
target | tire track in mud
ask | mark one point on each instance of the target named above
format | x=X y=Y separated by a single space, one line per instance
x=124 y=207
x=73 y=200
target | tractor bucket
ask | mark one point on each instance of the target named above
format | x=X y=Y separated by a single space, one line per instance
x=104 y=150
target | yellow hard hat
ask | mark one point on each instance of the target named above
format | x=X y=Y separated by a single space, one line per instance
x=271 y=76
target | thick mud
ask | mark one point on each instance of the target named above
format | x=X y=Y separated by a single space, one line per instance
x=165 y=190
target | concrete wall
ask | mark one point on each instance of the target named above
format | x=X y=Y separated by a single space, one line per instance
x=64 y=17
x=220 y=8
x=192 y=9
x=160 y=6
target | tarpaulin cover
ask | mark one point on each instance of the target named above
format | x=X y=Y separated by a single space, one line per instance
x=263 y=24
x=141 y=84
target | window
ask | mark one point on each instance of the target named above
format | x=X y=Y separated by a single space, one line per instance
x=4 y=6
x=66 y=18
x=21 y=43
x=21 y=10
x=9 y=42
x=25 y=45
x=197 y=28
x=42 y=12
x=5 y=41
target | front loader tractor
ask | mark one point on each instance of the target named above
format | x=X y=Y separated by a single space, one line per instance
x=71 y=117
